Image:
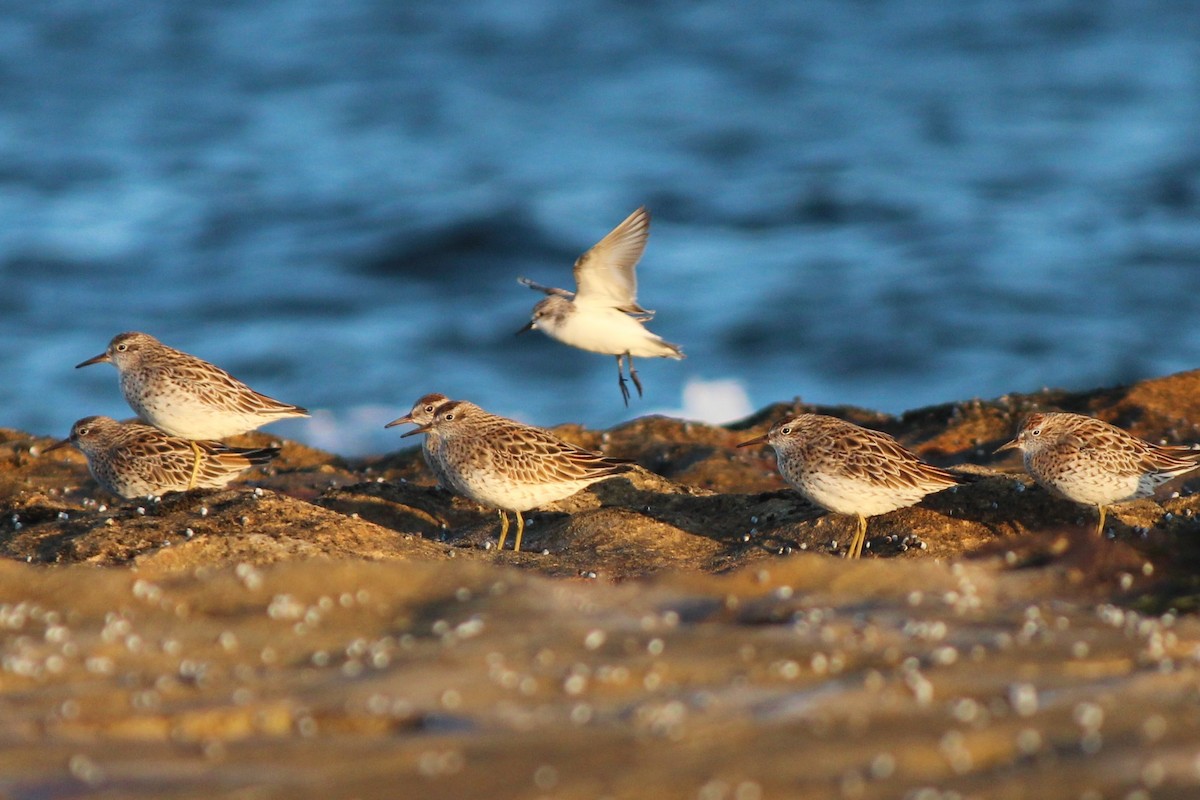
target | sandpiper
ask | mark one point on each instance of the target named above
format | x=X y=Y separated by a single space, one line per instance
x=131 y=459
x=1090 y=461
x=602 y=315
x=510 y=466
x=848 y=469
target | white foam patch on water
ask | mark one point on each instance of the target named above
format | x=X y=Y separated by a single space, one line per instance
x=357 y=431
x=714 y=402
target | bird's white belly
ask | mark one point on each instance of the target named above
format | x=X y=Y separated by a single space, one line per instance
x=179 y=416
x=846 y=496
x=607 y=331
x=184 y=414
x=1101 y=488
x=488 y=489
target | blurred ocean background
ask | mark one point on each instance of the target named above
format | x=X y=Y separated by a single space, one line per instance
x=889 y=204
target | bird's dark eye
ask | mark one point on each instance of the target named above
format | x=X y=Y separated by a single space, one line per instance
x=1036 y=431
x=448 y=417
x=428 y=409
x=84 y=431
x=785 y=431
x=122 y=347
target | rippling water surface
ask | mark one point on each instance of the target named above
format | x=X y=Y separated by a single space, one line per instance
x=886 y=204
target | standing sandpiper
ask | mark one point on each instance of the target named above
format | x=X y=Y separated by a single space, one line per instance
x=186 y=396
x=130 y=459
x=602 y=315
x=1090 y=461
x=510 y=466
x=848 y=469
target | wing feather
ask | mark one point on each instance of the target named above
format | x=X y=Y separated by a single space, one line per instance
x=217 y=387
x=605 y=275
x=531 y=452
x=891 y=463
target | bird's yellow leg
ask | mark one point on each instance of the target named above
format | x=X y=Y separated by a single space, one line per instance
x=1100 y=527
x=195 y=466
x=503 y=529
x=520 y=530
x=860 y=536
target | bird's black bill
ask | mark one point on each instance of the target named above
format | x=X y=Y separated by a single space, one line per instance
x=415 y=431
x=93 y=360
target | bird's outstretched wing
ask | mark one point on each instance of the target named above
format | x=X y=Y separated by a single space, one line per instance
x=604 y=275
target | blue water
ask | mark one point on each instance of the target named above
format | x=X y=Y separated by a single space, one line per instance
x=890 y=204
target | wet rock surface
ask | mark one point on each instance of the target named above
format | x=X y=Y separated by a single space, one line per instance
x=341 y=627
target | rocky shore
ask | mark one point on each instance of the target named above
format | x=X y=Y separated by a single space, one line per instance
x=338 y=627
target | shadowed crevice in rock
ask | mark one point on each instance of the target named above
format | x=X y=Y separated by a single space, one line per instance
x=427 y=511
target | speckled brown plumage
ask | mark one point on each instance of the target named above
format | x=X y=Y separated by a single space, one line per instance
x=1090 y=461
x=130 y=459
x=186 y=396
x=508 y=465
x=849 y=469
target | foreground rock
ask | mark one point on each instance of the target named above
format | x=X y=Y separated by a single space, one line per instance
x=800 y=677
x=341 y=628
x=698 y=503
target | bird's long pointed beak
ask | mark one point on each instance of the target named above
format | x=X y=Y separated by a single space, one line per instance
x=407 y=418
x=756 y=440
x=94 y=360
x=415 y=431
x=56 y=445
x=528 y=327
x=1013 y=445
